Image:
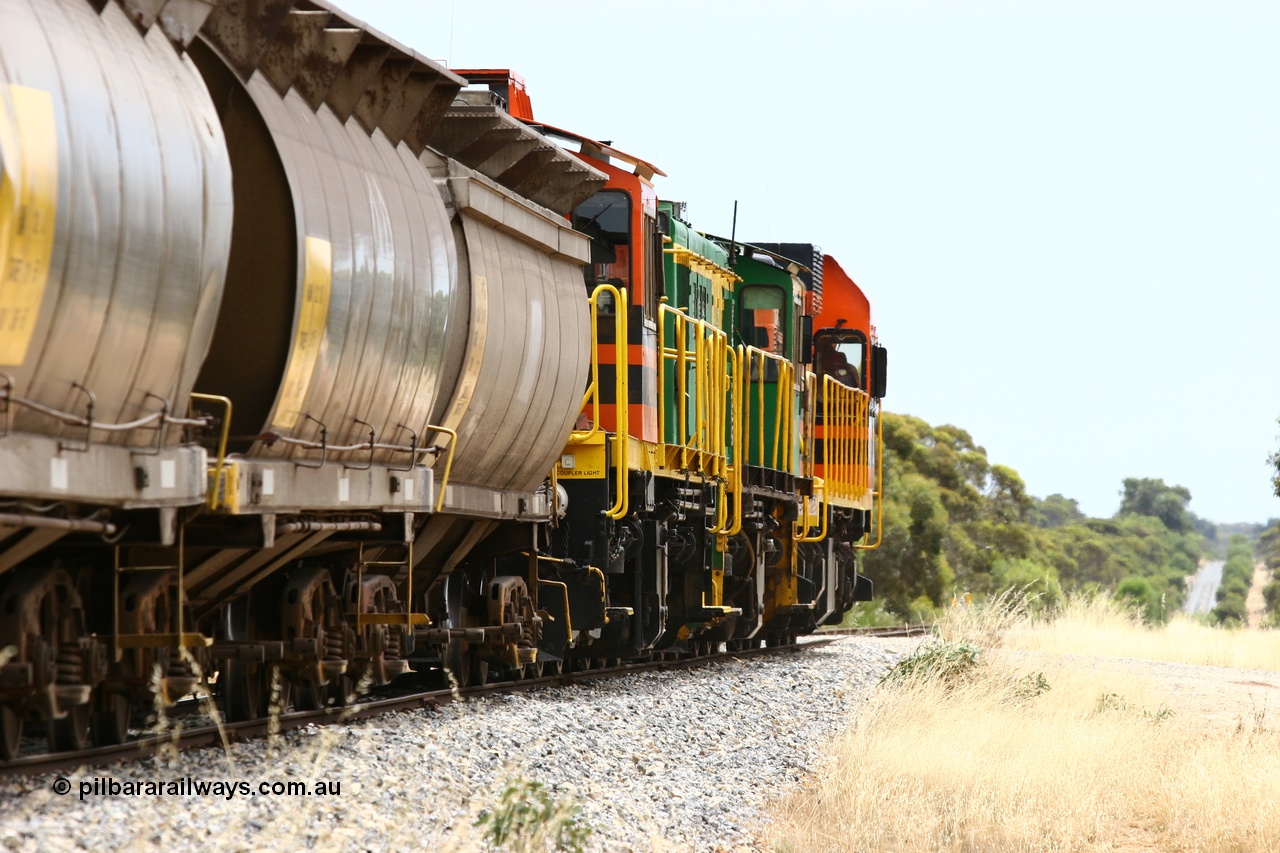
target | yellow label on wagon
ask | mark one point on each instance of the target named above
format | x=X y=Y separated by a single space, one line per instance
x=317 y=282
x=474 y=359
x=28 y=213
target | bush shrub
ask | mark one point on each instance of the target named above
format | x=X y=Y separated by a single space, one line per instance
x=948 y=663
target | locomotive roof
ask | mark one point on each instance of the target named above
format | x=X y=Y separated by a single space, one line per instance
x=595 y=148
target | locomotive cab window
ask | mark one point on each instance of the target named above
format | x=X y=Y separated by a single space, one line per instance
x=764 y=319
x=842 y=355
x=655 y=279
x=763 y=323
x=606 y=219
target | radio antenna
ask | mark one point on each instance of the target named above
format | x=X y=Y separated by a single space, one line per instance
x=733 y=234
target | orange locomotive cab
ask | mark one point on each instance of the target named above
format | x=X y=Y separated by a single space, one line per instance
x=622 y=220
x=843 y=334
x=847 y=353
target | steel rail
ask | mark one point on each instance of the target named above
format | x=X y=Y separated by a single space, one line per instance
x=149 y=745
x=877 y=631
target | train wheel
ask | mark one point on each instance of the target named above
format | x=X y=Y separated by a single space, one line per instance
x=534 y=670
x=111 y=720
x=307 y=697
x=277 y=692
x=467 y=668
x=48 y=634
x=72 y=731
x=341 y=691
x=10 y=733
x=311 y=610
x=479 y=672
x=455 y=663
x=243 y=691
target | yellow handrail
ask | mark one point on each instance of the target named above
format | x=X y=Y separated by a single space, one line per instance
x=845 y=440
x=879 y=492
x=760 y=406
x=783 y=429
x=622 y=391
x=622 y=400
x=700 y=423
x=739 y=435
x=592 y=395
x=682 y=411
x=448 y=462
x=802 y=529
x=212 y=501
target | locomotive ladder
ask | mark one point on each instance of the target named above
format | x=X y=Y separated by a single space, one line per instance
x=172 y=639
x=406 y=619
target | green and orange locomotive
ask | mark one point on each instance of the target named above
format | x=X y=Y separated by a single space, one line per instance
x=727 y=500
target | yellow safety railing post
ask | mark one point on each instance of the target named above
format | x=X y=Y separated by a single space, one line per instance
x=699 y=387
x=213 y=501
x=682 y=410
x=738 y=385
x=759 y=381
x=802 y=533
x=448 y=462
x=622 y=407
x=592 y=395
x=878 y=494
x=662 y=369
x=779 y=422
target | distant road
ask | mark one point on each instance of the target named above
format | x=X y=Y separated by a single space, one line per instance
x=1203 y=588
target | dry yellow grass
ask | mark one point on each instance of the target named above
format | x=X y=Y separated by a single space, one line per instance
x=1094 y=763
x=1099 y=627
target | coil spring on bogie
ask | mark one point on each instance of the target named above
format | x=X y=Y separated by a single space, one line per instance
x=70 y=664
x=334 y=648
x=181 y=668
x=394 y=641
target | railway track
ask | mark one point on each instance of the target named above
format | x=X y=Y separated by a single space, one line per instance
x=223 y=733
x=880 y=631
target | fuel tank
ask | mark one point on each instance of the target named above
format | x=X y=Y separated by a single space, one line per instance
x=115 y=221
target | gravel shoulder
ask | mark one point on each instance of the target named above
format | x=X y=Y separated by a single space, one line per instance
x=680 y=760
x=1218 y=695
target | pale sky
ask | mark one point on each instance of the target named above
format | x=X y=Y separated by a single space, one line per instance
x=1065 y=214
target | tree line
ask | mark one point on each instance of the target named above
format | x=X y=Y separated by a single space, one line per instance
x=1269 y=553
x=956 y=523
